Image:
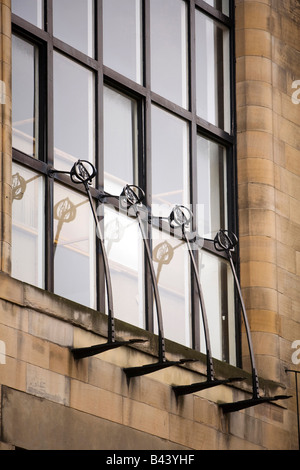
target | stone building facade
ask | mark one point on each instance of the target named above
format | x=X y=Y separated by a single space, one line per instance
x=49 y=400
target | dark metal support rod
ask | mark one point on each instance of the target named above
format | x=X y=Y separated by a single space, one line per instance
x=161 y=337
x=132 y=200
x=181 y=216
x=210 y=381
x=80 y=175
x=227 y=242
x=210 y=367
x=255 y=382
x=111 y=323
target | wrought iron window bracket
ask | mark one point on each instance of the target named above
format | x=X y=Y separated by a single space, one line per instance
x=83 y=172
x=180 y=217
x=130 y=199
x=227 y=241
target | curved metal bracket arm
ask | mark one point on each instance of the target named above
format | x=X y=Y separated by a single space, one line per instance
x=83 y=172
x=180 y=217
x=227 y=241
x=130 y=199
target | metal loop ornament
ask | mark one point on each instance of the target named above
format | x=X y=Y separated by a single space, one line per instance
x=132 y=194
x=225 y=241
x=180 y=216
x=82 y=172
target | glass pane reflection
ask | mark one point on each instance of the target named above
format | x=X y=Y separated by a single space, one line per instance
x=74 y=247
x=171 y=263
x=212 y=190
x=122 y=37
x=212 y=72
x=124 y=247
x=74 y=114
x=30 y=10
x=120 y=141
x=28 y=227
x=218 y=291
x=24 y=97
x=169 y=161
x=73 y=23
x=168 y=35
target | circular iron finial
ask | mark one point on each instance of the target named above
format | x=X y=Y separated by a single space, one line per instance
x=225 y=241
x=180 y=216
x=133 y=194
x=82 y=172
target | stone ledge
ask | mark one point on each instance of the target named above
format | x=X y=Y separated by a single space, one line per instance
x=50 y=304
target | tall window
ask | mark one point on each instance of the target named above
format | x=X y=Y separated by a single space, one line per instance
x=142 y=89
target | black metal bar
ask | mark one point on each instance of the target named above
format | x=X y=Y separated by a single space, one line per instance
x=80 y=353
x=254 y=401
x=131 y=198
x=198 y=386
x=149 y=368
x=79 y=174
x=181 y=217
x=131 y=201
x=297 y=402
x=225 y=241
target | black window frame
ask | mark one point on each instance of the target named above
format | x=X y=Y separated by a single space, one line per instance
x=144 y=97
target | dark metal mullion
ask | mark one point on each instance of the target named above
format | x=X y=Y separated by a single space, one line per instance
x=220 y=75
x=232 y=185
x=149 y=300
x=75 y=54
x=213 y=12
x=28 y=29
x=211 y=131
x=49 y=149
x=170 y=106
x=99 y=149
x=195 y=305
x=224 y=320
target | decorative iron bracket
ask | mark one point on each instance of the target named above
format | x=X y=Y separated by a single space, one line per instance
x=180 y=217
x=226 y=241
x=83 y=172
x=131 y=198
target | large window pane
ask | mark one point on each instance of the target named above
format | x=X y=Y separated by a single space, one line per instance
x=218 y=291
x=120 y=141
x=124 y=248
x=122 y=37
x=29 y=10
x=74 y=113
x=211 y=185
x=171 y=262
x=169 y=67
x=27 y=226
x=169 y=161
x=24 y=97
x=74 y=246
x=212 y=72
x=73 y=23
